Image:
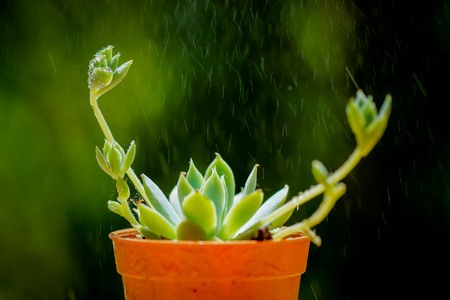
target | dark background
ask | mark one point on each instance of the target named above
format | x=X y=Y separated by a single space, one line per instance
x=259 y=82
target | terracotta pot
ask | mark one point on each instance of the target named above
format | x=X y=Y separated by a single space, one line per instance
x=171 y=270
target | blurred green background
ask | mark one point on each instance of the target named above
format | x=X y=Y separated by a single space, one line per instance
x=259 y=82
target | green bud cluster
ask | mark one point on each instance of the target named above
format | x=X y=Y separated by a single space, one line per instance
x=366 y=123
x=104 y=72
x=113 y=159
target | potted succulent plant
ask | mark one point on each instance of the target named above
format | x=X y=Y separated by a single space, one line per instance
x=204 y=241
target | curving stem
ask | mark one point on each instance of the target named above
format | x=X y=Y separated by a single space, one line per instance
x=108 y=135
x=317 y=189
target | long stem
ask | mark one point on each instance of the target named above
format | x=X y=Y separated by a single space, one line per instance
x=101 y=120
x=347 y=167
x=317 y=189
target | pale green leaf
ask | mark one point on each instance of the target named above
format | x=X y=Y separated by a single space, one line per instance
x=193 y=176
x=160 y=201
x=215 y=190
x=319 y=172
x=184 y=188
x=239 y=214
x=266 y=208
x=223 y=169
x=173 y=199
x=200 y=210
x=190 y=231
x=103 y=164
x=129 y=158
x=115 y=207
x=156 y=222
x=250 y=184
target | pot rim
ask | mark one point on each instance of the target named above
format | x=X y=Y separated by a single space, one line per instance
x=129 y=236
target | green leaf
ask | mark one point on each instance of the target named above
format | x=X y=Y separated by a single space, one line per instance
x=376 y=129
x=215 y=190
x=122 y=189
x=115 y=158
x=159 y=201
x=355 y=119
x=190 y=231
x=268 y=206
x=280 y=220
x=156 y=222
x=238 y=197
x=173 y=199
x=114 y=62
x=319 y=172
x=250 y=184
x=115 y=207
x=106 y=52
x=202 y=211
x=118 y=75
x=148 y=234
x=223 y=169
x=194 y=177
x=103 y=164
x=129 y=158
x=184 y=188
x=370 y=112
x=239 y=214
x=100 y=77
x=106 y=147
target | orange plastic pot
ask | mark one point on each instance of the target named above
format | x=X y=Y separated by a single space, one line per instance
x=171 y=270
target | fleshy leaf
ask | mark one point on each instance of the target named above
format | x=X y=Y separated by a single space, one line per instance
x=118 y=75
x=100 y=77
x=239 y=214
x=115 y=207
x=173 y=199
x=250 y=184
x=319 y=172
x=202 y=211
x=280 y=220
x=122 y=189
x=268 y=206
x=115 y=158
x=189 y=231
x=184 y=188
x=156 y=222
x=114 y=62
x=106 y=52
x=238 y=197
x=214 y=189
x=223 y=169
x=129 y=158
x=194 y=177
x=103 y=164
x=367 y=125
x=148 y=234
x=376 y=129
x=106 y=147
x=160 y=201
